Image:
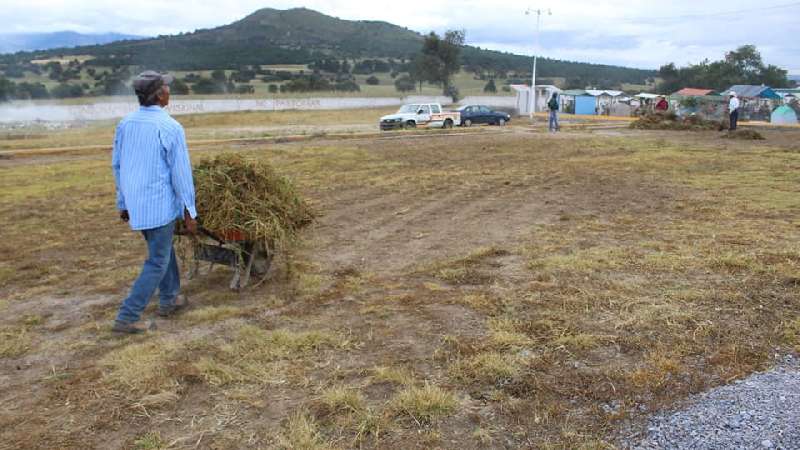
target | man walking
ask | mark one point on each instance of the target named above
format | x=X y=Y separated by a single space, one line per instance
x=733 y=110
x=153 y=177
x=553 y=106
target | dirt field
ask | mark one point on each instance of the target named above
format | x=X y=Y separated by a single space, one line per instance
x=504 y=288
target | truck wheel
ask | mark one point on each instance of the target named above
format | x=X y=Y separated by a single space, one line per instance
x=501 y=122
x=448 y=123
x=467 y=123
x=411 y=124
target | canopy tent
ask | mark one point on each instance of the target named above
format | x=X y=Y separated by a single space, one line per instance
x=752 y=91
x=694 y=92
x=783 y=115
x=606 y=92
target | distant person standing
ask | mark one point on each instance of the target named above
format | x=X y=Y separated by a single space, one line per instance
x=662 y=105
x=553 y=106
x=153 y=177
x=733 y=111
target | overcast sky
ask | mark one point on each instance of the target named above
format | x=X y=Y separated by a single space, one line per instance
x=637 y=33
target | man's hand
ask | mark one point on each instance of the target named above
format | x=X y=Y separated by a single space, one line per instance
x=123 y=215
x=191 y=224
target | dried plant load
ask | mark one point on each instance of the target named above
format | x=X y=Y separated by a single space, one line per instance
x=744 y=134
x=670 y=121
x=235 y=193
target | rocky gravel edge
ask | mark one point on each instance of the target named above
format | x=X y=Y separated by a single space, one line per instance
x=761 y=411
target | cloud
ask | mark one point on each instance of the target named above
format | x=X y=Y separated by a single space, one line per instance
x=641 y=33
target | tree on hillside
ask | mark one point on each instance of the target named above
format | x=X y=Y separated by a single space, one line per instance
x=179 y=87
x=439 y=59
x=424 y=68
x=66 y=90
x=208 y=86
x=404 y=84
x=741 y=66
x=219 y=76
x=490 y=87
x=7 y=89
x=33 y=91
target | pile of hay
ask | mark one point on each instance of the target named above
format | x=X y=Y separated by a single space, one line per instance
x=670 y=121
x=747 y=135
x=236 y=193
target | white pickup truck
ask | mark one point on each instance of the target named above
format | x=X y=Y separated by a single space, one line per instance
x=421 y=115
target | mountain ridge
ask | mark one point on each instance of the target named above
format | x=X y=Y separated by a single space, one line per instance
x=302 y=36
x=16 y=42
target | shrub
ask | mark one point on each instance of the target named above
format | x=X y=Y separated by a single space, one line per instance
x=405 y=84
x=347 y=86
x=207 y=86
x=65 y=90
x=452 y=92
x=244 y=89
x=179 y=87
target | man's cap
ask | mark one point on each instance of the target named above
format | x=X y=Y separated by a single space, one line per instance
x=732 y=94
x=149 y=82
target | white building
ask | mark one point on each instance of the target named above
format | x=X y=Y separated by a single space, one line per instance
x=543 y=94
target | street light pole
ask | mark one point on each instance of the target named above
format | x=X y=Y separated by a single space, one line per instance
x=535 y=51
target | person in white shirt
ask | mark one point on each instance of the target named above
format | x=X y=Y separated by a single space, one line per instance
x=733 y=110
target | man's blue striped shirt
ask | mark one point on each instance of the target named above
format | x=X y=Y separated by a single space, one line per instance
x=152 y=170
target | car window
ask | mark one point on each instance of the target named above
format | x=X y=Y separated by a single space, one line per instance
x=485 y=110
x=435 y=109
x=425 y=109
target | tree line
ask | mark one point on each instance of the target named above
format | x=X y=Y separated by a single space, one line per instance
x=438 y=59
x=741 y=66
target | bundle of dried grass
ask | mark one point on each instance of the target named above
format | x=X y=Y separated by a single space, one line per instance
x=670 y=121
x=744 y=134
x=249 y=196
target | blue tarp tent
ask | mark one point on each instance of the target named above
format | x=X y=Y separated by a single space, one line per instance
x=585 y=105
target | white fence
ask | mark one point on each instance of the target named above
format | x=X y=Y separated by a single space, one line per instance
x=54 y=112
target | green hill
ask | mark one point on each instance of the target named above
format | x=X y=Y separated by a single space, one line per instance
x=304 y=36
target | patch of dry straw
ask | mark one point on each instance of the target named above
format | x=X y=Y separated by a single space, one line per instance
x=248 y=195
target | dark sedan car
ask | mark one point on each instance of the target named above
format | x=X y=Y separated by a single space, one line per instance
x=473 y=114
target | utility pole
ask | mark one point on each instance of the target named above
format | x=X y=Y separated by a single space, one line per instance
x=532 y=97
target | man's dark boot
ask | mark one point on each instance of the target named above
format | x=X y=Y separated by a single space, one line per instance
x=181 y=302
x=129 y=328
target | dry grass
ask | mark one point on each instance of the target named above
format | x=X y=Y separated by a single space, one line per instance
x=465 y=270
x=396 y=375
x=343 y=399
x=424 y=404
x=212 y=314
x=143 y=368
x=254 y=355
x=150 y=441
x=791 y=333
x=235 y=193
x=14 y=341
x=301 y=432
x=538 y=280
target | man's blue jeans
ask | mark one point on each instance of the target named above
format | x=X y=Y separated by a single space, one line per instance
x=160 y=271
x=553 y=120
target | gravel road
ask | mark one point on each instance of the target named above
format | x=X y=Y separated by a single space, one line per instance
x=758 y=412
